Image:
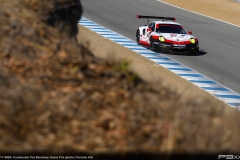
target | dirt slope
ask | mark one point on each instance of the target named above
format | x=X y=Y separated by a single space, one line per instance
x=57 y=98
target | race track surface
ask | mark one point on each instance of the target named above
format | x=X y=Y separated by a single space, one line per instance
x=219 y=42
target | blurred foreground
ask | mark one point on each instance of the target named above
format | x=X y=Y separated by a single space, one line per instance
x=57 y=98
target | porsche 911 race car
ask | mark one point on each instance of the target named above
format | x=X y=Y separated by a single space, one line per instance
x=166 y=36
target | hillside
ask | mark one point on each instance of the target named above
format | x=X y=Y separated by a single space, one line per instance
x=57 y=98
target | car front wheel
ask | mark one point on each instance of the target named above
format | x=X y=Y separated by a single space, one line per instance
x=138 y=36
x=152 y=46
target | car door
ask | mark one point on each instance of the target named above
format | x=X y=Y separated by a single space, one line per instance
x=150 y=29
x=143 y=36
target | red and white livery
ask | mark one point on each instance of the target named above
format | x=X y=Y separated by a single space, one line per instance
x=166 y=36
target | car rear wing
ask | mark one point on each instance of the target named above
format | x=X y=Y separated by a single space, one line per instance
x=156 y=17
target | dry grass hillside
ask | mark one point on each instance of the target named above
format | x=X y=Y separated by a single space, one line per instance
x=57 y=98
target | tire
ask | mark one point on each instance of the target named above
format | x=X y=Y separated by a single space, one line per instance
x=196 y=53
x=152 y=46
x=138 y=36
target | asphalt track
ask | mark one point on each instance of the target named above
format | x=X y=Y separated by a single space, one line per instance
x=219 y=42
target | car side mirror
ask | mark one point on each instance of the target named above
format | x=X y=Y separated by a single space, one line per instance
x=149 y=29
x=190 y=32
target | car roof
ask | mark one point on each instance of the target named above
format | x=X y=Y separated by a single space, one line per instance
x=166 y=22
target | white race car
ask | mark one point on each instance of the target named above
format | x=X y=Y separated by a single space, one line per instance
x=166 y=36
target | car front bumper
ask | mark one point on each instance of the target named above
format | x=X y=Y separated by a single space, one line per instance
x=176 y=48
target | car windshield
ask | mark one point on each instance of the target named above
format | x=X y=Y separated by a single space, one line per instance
x=170 y=28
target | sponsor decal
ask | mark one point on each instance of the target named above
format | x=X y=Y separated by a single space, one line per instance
x=173 y=35
x=179 y=46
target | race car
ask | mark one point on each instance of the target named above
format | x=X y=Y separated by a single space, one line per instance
x=166 y=36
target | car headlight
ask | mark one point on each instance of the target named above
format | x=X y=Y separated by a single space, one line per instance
x=192 y=40
x=161 y=39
